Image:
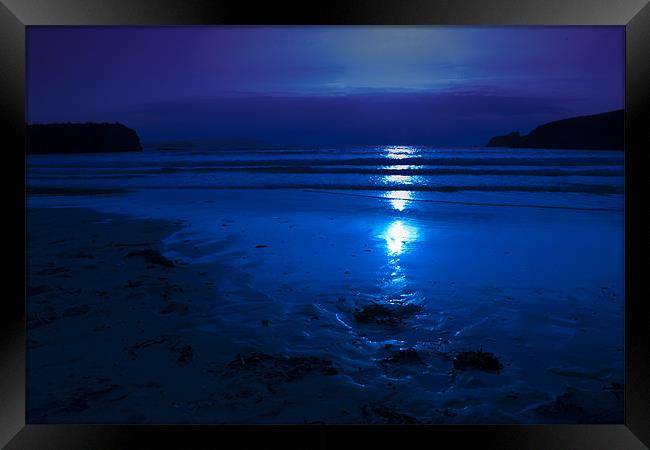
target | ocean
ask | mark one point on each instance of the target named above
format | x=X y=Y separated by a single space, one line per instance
x=421 y=173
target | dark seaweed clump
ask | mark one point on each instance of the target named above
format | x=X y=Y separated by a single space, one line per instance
x=477 y=360
x=183 y=353
x=152 y=257
x=408 y=356
x=386 y=315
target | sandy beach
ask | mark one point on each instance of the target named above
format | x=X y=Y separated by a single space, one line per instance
x=253 y=307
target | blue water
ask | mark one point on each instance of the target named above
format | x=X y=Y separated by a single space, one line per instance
x=580 y=178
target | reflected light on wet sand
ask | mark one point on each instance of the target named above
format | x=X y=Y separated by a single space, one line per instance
x=399 y=200
x=398 y=236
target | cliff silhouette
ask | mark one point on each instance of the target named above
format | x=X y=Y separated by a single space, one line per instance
x=603 y=131
x=81 y=138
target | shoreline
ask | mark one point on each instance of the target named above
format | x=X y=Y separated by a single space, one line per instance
x=120 y=333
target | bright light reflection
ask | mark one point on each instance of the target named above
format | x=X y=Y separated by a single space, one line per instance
x=403 y=167
x=398 y=179
x=401 y=152
x=399 y=199
x=398 y=236
x=405 y=180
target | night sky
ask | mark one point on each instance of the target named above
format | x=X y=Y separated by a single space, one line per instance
x=447 y=86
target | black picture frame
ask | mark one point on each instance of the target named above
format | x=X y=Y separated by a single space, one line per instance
x=15 y=15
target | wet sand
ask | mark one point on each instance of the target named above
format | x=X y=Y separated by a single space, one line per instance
x=139 y=320
x=114 y=333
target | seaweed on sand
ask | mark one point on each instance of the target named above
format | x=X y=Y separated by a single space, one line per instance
x=152 y=257
x=183 y=353
x=386 y=315
x=408 y=356
x=477 y=360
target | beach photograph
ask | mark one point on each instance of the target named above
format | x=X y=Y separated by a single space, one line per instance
x=325 y=225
